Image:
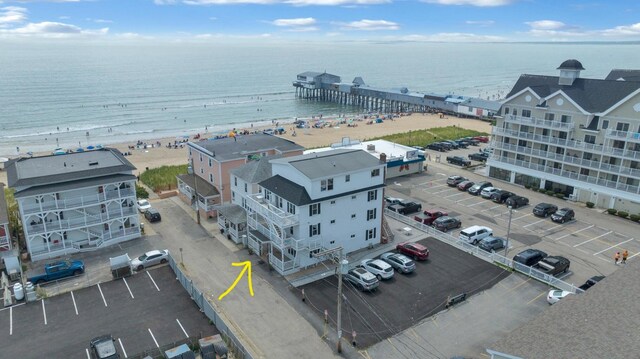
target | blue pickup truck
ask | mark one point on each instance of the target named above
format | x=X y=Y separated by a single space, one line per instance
x=58 y=270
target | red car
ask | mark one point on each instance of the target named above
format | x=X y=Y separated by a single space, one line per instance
x=465 y=185
x=413 y=250
x=428 y=216
x=483 y=139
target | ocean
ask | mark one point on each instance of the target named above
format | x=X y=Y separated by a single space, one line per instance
x=62 y=94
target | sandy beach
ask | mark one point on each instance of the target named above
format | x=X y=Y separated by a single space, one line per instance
x=308 y=137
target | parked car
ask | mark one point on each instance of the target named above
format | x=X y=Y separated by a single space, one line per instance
x=492 y=244
x=454 y=144
x=591 y=282
x=563 y=215
x=488 y=192
x=427 y=217
x=455 y=180
x=471 y=140
x=516 y=201
x=102 y=347
x=58 y=270
x=478 y=156
x=150 y=258
x=465 y=185
x=393 y=200
x=413 y=250
x=379 y=268
x=143 y=205
x=529 y=257
x=482 y=139
x=553 y=265
x=461 y=144
x=457 y=160
x=555 y=295
x=477 y=188
x=501 y=196
x=436 y=147
x=474 y=234
x=446 y=145
x=399 y=262
x=409 y=207
x=544 y=209
x=446 y=223
x=152 y=215
x=362 y=279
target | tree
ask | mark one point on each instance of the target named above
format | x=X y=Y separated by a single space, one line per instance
x=15 y=224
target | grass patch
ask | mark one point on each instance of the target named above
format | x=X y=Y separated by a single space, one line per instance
x=162 y=178
x=425 y=137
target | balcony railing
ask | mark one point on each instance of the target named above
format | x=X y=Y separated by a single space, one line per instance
x=80 y=201
x=279 y=242
x=623 y=135
x=568 y=174
x=61 y=248
x=284 y=267
x=538 y=122
x=80 y=222
x=257 y=203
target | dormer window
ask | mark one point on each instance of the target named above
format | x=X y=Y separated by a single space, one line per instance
x=326 y=185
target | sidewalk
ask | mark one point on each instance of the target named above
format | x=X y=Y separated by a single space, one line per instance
x=266 y=323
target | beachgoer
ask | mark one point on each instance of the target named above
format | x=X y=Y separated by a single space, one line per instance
x=18 y=149
x=616 y=257
x=625 y=255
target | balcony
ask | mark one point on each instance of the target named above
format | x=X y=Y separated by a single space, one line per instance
x=623 y=135
x=277 y=240
x=538 y=122
x=284 y=267
x=77 y=201
x=568 y=174
x=79 y=222
x=258 y=204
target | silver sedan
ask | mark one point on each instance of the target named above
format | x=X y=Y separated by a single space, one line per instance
x=150 y=258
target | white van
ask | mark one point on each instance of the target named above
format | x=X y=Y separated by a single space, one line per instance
x=475 y=234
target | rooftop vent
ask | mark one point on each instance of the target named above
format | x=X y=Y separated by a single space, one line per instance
x=93 y=163
x=371 y=148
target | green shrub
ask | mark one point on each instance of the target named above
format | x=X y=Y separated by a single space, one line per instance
x=635 y=217
x=623 y=214
x=162 y=178
x=559 y=195
x=612 y=211
x=426 y=137
x=550 y=193
x=590 y=204
x=141 y=192
x=527 y=186
x=542 y=190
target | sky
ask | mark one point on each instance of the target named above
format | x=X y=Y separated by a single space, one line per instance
x=328 y=20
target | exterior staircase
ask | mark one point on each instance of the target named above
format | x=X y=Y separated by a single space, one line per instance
x=387 y=234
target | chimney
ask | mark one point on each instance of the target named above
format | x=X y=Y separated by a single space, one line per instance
x=569 y=72
x=383 y=158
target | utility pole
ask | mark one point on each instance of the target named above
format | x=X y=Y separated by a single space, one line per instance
x=506 y=246
x=336 y=254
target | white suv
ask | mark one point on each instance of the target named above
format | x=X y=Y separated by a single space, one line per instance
x=379 y=268
x=475 y=234
x=362 y=279
x=487 y=192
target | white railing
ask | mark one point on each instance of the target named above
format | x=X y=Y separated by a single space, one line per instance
x=75 y=202
x=258 y=204
x=538 y=122
x=80 y=222
x=623 y=135
x=283 y=267
x=276 y=240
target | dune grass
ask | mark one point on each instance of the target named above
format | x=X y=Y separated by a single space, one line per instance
x=425 y=137
x=162 y=178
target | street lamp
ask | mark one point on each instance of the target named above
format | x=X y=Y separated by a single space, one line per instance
x=506 y=247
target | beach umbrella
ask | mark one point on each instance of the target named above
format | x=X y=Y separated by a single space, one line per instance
x=30 y=154
x=80 y=149
x=59 y=152
x=91 y=148
x=232 y=134
x=99 y=147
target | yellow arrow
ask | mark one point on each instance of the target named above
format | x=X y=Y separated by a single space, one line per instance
x=247 y=267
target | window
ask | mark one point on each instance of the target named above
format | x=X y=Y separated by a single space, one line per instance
x=235 y=181
x=589 y=138
x=353 y=236
x=201 y=170
x=201 y=157
x=353 y=197
x=210 y=162
x=605 y=124
x=522 y=143
x=326 y=185
x=313 y=252
x=370 y=234
x=291 y=208
x=279 y=202
x=371 y=214
x=549 y=116
x=332 y=242
x=621 y=126
x=267 y=195
x=333 y=202
x=314 y=230
x=506 y=110
x=347 y=178
x=524 y=128
x=211 y=177
x=333 y=221
x=565 y=118
x=353 y=216
x=233 y=195
x=372 y=196
x=515 y=112
x=314 y=209
x=526 y=113
x=375 y=172
x=246 y=188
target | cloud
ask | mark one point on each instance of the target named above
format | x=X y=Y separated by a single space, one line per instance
x=102 y=21
x=482 y=23
x=10 y=15
x=303 y=21
x=164 y=2
x=559 y=31
x=479 y=3
x=52 y=29
x=64 y=17
x=447 y=37
x=623 y=31
x=232 y=37
x=270 y=2
x=546 y=25
x=303 y=29
x=369 y=25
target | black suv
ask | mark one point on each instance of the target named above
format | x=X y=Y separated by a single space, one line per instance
x=409 y=207
x=530 y=257
x=563 y=215
x=152 y=215
x=544 y=209
x=516 y=201
x=479 y=156
x=553 y=265
x=478 y=187
x=446 y=223
x=501 y=196
x=436 y=147
x=454 y=181
x=457 y=160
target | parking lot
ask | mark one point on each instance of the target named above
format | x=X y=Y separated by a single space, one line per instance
x=142 y=312
x=404 y=300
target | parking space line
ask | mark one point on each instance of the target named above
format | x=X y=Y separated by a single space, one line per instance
x=127 y=284
x=444 y=190
x=154 y=282
x=613 y=246
x=88 y=355
x=516 y=287
x=437 y=186
x=181 y=327
x=554 y=227
x=10 y=320
x=454 y=195
x=628 y=258
x=475 y=204
x=494 y=207
x=538 y=296
x=466 y=199
x=154 y=338
x=501 y=214
x=74 y=303
x=526 y=215
x=103 y=299
x=592 y=239
x=122 y=347
x=578 y=231
x=531 y=224
x=44 y=313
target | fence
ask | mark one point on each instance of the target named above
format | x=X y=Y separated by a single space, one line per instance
x=235 y=346
x=491 y=257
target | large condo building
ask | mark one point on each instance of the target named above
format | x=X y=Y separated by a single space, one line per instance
x=572 y=135
x=75 y=202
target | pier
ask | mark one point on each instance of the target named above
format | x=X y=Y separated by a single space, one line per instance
x=322 y=86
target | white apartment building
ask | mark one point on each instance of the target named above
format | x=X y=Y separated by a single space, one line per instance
x=572 y=135
x=314 y=202
x=5 y=237
x=75 y=202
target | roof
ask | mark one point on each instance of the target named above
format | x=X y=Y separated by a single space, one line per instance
x=310 y=74
x=593 y=95
x=71 y=185
x=374 y=148
x=485 y=104
x=233 y=212
x=44 y=170
x=255 y=171
x=571 y=64
x=290 y=191
x=595 y=324
x=4 y=214
x=224 y=149
x=623 y=75
x=330 y=163
x=205 y=189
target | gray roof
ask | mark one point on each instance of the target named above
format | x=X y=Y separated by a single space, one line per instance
x=290 y=191
x=310 y=74
x=593 y=95
x=255 y=171
x=626 y=75
x=45 y=170
x=330 y=163
x=4 y=215
x=571 y=64
x=599 y=323
x=205 y=189
x=233 y=212
x=224 y=149
x=70 y=185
